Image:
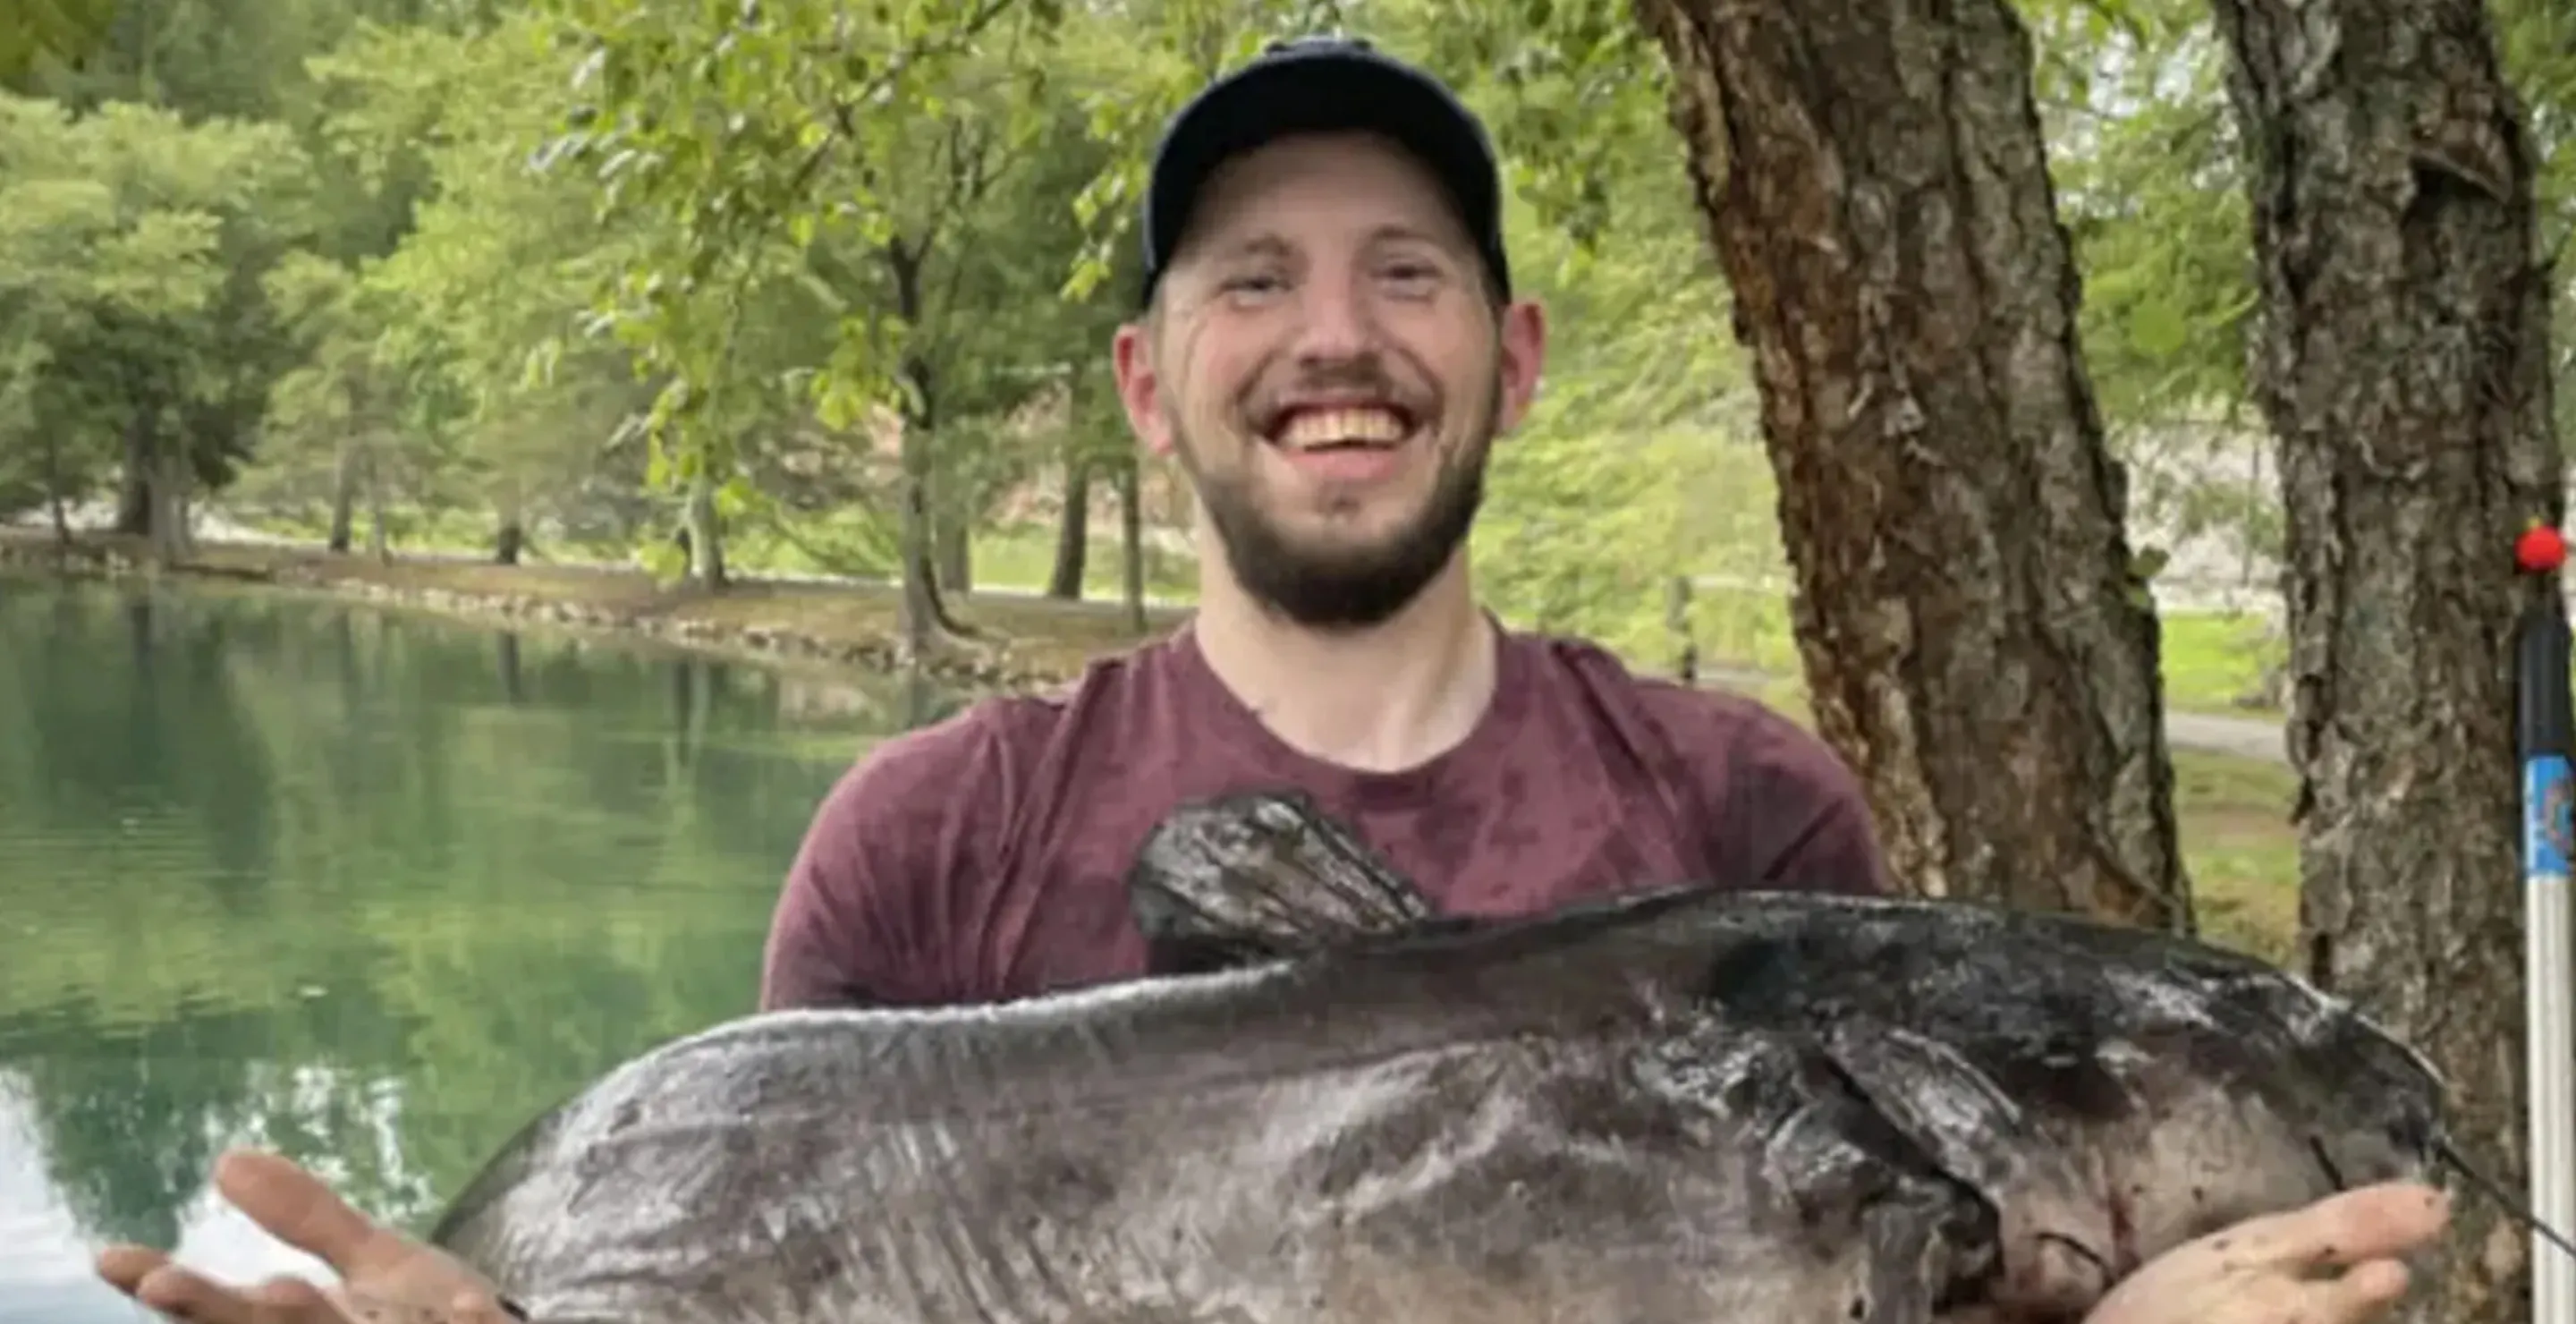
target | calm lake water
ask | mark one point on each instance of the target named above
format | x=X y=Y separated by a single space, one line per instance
x=367 y=888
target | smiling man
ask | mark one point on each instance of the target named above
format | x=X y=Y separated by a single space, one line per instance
x=1330 y=347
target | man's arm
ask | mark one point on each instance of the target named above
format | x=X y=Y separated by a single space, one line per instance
x=872 y=909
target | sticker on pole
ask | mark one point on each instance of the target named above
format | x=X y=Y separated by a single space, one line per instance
x=2549 y=832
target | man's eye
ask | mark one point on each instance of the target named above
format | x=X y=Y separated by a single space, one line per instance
x=1251 y=284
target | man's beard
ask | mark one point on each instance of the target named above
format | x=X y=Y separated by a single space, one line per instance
x=1339 y=588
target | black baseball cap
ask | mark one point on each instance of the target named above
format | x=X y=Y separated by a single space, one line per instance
x=1322 y=85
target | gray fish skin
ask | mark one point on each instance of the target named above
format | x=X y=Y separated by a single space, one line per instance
x=2111 y=1092
x=1674 y=1108
x=1539 y=1123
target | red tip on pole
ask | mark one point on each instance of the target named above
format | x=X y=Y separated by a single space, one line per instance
x=2540 y=550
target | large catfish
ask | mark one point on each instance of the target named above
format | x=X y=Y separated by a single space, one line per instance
x=1678 y=1107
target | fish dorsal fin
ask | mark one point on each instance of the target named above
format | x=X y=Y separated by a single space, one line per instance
x=1262 y=875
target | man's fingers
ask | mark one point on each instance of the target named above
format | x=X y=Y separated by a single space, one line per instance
x=2368 y=1223
x=294 y=1301
x=2375 y=1283
x=124 y=1266
x=477 y=1308
x=182 y=1294
x=2363 y=1294
x=295 y=1207
x=185 y=1295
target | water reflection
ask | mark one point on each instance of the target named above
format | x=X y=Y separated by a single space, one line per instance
x=369 y=888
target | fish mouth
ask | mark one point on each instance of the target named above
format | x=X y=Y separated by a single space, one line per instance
x=2065 y=1286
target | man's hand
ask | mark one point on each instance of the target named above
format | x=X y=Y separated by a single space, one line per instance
x=2333 y=1262
x=386 y=1278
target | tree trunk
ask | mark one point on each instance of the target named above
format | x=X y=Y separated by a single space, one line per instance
x=510 y=538
x=1073 y=534
x=54 y=487
x=924 y=614
x=344 y=498
x=1677 y=625
x=380 y=536
x=1976 y=643
x=2403 y=364
x=706 y=540
x=134 y=493
x=165 y=490
x=920 y=612
x=953 y=535
x=1131 y=541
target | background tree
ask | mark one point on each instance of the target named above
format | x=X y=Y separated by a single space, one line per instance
x=2403 y=362
x=1976 y=633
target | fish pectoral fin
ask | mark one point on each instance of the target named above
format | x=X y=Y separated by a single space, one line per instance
x=1920 y=1255
x=2055 y=1233
x=1939 y=1099
x=1256 y=876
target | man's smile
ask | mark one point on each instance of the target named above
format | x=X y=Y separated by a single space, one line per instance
x=1336 y=427
x=1343 y=442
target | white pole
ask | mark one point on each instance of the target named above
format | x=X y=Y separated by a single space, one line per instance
x=2549 y=972
x=2553 y=1102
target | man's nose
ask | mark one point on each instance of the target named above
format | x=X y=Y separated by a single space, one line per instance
x=1335 y=322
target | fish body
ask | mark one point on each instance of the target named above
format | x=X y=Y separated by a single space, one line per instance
x=1675 y=1107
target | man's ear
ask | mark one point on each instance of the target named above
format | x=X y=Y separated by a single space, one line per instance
x=1140 y=384
x=1522 y=338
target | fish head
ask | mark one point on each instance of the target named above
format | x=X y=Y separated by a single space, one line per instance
x=2237 y=1091
x=2113 y=1093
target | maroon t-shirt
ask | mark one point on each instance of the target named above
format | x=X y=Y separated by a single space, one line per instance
x=984 y=857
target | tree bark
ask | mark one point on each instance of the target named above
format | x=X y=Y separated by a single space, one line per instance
x=165 y=496
x=1072 y=534
x=134 y=492
x=920 y=612
x=1131 y=543
x=380 y=540
x=1976 y=642
x=344 y=493
x=54 y=487
x=952 y=534
x=510 y=538
x=706 y=534
x=924 y=617
x=2402 y=361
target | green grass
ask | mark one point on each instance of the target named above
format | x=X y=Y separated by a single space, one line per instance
x=2232 y=819
x=2213 y=662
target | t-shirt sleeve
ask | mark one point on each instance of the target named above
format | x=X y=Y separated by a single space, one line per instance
x=1789 y=815
x=866 y=914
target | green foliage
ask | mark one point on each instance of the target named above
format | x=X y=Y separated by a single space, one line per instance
x=600 y=268
x=130 y=245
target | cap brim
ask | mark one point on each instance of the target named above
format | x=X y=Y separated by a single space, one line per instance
x=1324 y=92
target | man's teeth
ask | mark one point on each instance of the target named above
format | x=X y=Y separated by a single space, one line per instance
x=1330 y=427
